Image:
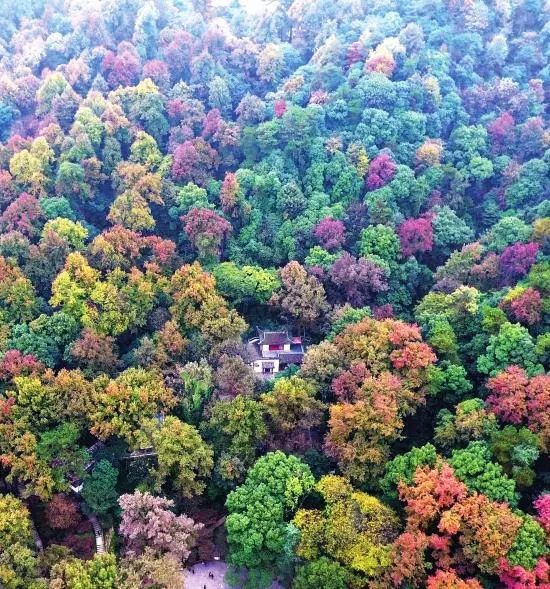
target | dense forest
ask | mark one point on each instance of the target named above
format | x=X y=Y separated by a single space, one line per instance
x=274 y=294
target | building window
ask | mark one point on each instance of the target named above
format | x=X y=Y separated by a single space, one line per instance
x=275 y=348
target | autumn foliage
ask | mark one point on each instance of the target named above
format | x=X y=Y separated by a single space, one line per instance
x=274 y=288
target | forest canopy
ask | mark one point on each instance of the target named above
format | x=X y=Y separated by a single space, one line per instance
x=274 y=293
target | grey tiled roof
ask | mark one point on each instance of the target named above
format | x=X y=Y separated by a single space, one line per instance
x=291 y=357
x=253 y=351
x=274 y=338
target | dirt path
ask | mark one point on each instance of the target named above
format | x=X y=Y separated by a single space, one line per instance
x=199 y=578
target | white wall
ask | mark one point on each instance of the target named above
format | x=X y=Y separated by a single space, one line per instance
x=257 y=366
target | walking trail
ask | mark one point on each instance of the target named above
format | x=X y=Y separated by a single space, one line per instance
x=98 y=533
x=200 y=578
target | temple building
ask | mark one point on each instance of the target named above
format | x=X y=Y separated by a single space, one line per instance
x=272 y=351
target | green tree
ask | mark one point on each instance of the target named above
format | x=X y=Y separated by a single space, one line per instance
x=219 y=96
x=18 y=301
x=30 y=171
x=290 y=200
x=73 y=285
x=512 y=345
x=516 y=450
x=246 y=284
x=71 y=181
x=322 y=572
x=99 y=488
x=198 y=307
x=450 y=231
x=530 y=544
x=507 y=231
x=98 y=573
x=59 y=448
x=258 y=533
x=236 y=428
x=145 y=151
x=121 y=302
x=449 y=381
x=189 y=197
x=473 y=466
x=442 y=338
x=380 y=241
x=318 y=256
x=198 y=385
x=36 y=407
x=480 y=168
x=531 y=183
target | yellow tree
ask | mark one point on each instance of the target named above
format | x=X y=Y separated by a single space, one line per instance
x=138 y=187
x=353 y=528
x=122 y=404
x=182 y=455
x=292 y=411
x=28 y=436
x=18 y=563
x=197 y=306
x=121 y=302
x=30 y=167
x=18 y=301
x=73 y=285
